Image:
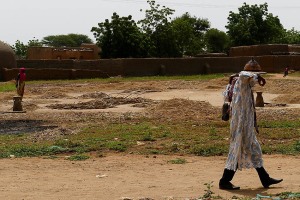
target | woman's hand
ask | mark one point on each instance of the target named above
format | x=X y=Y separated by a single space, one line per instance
x=261 y=81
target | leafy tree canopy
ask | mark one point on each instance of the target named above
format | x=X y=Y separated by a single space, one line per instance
x=217 y=41
x=20 y=48
x=189 y=32
x=254 y=25
x=120 y=38
x=291 y=37
x=70 y=40
x=155 y=16
x=157 y=27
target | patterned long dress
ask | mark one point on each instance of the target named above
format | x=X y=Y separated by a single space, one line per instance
x=245 y=150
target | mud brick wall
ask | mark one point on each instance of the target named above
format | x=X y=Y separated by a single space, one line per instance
x=38 y=53
x=71 y=69
x=294 y=48
x=110 y=67
x=223 y=65
x=35 y=53
x=42 y=64
x=143 y=67
x=183 y=66
x=9 y=74
x=69 y=54
x=38 y=74
x=48 y=74
x=261 y=50
x=258 y=50
x=277 y=64
x=295 y=62
x=80 y=74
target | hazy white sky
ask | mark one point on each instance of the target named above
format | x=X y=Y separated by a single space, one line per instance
x=27 y=19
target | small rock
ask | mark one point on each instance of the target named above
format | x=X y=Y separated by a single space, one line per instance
x=101 y=176
x=140 y=143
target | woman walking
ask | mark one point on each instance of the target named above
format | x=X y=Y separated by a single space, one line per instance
x=245 y=150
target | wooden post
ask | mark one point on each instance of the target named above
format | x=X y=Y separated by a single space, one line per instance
x=259 y=100
x=17 y=103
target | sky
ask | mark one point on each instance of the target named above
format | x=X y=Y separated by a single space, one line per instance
x=25 y=20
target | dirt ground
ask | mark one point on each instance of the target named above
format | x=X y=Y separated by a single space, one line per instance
x=115 y=176
x=136 y=177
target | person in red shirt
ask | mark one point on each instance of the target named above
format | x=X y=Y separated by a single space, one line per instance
x=286 y=71
x=21 y=82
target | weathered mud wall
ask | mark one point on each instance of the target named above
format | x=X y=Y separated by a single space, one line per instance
x=39 y=53
x=263 y=50
x=73 y=69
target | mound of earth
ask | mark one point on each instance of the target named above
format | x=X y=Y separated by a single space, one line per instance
x=288 y=99
x=102 y=101
x=183 y=109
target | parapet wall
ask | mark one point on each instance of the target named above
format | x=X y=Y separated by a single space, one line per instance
x=262 y=50
x=74 y=69
x=86 y=52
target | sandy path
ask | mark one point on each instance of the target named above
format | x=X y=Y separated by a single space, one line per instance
x=116 y=176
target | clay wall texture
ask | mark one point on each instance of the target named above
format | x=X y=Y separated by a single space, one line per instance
x=47 y=69
x=48 y=53
x=260 y=50
x=75 y=69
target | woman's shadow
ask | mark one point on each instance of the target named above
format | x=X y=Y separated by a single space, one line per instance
x=253 y=192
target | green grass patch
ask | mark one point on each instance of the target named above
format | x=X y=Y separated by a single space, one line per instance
x=177 y=161
x=30 y=150
x=7 y=87
x=289 y=195
x=129 y=79
x=153 y=151
x=209 y=149
x=297 y=146
x=154 y=137
x=79 y=157
x=116 y=146
x=279 y=124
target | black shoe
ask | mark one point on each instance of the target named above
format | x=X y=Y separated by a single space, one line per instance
x=228 y=186
x=271 y=181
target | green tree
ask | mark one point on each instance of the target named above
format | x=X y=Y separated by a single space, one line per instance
x=155 y=17
x=120 y=38
x=163 y=42
x=189 y=32
x=70 y=40
x=254 y=25
x=20 y=49
x=156 y=25
x=217 y=41
x=291 y=37
x=34 y=43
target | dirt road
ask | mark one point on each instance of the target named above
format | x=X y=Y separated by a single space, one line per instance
x=116 y=176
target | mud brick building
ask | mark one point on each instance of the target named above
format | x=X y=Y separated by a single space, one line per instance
x=84 y=52
x=82 y=62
